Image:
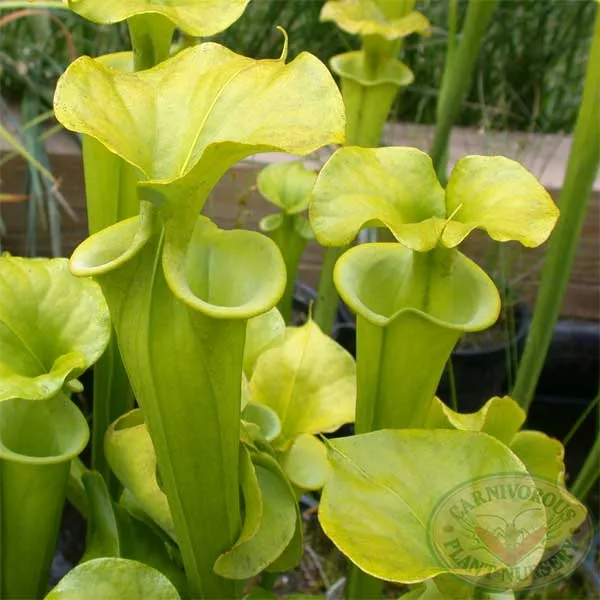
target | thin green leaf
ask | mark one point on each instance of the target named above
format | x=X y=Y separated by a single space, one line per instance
x=27 y=156
x=251 y=556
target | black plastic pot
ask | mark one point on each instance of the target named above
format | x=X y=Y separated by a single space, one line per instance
x=572 y=366
x=304 y=296
x=479 y=373
x=480 y=370
x=568 y=383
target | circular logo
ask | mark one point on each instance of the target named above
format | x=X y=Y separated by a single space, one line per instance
x=510 y=531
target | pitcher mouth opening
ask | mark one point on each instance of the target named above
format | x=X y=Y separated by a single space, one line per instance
x=110 y=248
x=457 y=295
x=208 y=275
x=351 y=65
x=41 y=432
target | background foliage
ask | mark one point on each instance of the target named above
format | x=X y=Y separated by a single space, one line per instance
x=529 y=75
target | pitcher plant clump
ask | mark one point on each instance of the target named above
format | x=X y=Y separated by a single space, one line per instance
x=212 y=414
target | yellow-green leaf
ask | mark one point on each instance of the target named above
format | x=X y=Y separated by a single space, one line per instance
x=543 y=456
x=264 y=417
x=253 y=512
x=291 y=556
x=197 y=17
x=384 y=487
x=392 y=187
x=53 y=326
x=498 y=417
x=237 y=106
x=397 y=188
x=131 y=456
x=309 y=381
x=277 y=525
x=287 y=185
x=500 y=196
x=391 y=20
x=305 y=463
x=262 y=332
x=114 y=578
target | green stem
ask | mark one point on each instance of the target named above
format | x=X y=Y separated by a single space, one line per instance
x=457 y=77
x=584 y=415
x=590 y=472
x=291 y=245
x=151 y=36
x=327 y=298
x=110 y=185
x=362 y=586
x=452 y=28
x=573 y=202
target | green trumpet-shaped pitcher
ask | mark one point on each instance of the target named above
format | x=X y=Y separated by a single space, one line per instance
x=38 y=440
x=53 y=326
x=415 y=298
x=372 y=76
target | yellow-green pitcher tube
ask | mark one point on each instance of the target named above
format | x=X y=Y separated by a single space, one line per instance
x=38 y=440
x=412 y=308
x=401 y=373
x=411 y=311
x=185 y=366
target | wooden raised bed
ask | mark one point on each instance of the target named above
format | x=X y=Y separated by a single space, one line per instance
x=234 y=203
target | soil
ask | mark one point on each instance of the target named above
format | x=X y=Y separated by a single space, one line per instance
x=323 y=569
